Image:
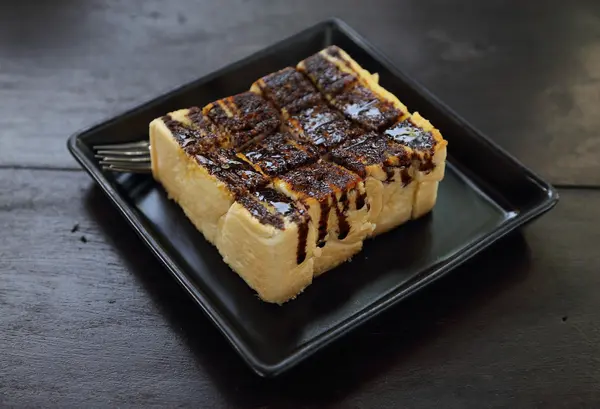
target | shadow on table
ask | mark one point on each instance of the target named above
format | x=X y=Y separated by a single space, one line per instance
x=384 y=343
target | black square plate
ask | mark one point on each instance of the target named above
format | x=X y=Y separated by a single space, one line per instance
x=486 y=194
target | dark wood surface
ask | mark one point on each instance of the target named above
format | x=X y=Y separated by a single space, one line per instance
x=88 y=318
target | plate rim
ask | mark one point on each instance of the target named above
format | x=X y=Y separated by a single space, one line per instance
x=327 y=337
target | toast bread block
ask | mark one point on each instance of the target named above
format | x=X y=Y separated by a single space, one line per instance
x=387 y=169
x=203 y=183
x=289 y=178
x=270 y=241
x=338 y=206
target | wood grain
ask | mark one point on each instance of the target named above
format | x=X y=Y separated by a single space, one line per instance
x=100 y=323
x=88 y=317
x=526 y=73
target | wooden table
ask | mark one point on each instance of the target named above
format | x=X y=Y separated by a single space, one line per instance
x=88 y=318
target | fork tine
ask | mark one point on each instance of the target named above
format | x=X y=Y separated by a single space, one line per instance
x=121 y=146
x=127 y=169
x=107 y=160
x=141 y=158
x=118 y=158
x=122 y=152
x=127 y=165
x=131 y=157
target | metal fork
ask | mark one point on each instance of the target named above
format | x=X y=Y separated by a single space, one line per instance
x=131 y=157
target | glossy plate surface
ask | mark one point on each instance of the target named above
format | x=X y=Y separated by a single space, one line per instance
x=486 y=194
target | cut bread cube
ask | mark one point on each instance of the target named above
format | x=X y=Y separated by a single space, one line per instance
x=288 y=90
x=321 y=126
x=242 y=118
x=386 y=168
x=278 y=153
x=203 y=183
x=323 y=71
x=428 y=149
x=338 y=206
x=362 y=105
x=270 y=241
x=426 y=143
x=352 y=89
x=194 y=131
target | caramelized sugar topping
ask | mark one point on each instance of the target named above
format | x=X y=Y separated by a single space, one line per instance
x=239 y=176
x=320 y=180
x=361 y=105
x=290 y=90
x=279 y=153
x=409 y=134
x=323 y=127
x=191 y=138
x=243 y=116
x=328 y=78
x=371 y=149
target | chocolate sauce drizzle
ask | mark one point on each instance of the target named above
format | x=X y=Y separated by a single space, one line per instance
x=323 y=222
x=389 y=172
x=302 y=237
x=323 y=127
x=360 y=199
x=360 y=104
x=344 y=227
x=281 y=203
x=326 y=76
x=406 y=178
x=409 y=134
x=344 y=201
x=279 y=153
x=427 y=164
x=239 y=176
x=290 y=89
x=252 y=116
